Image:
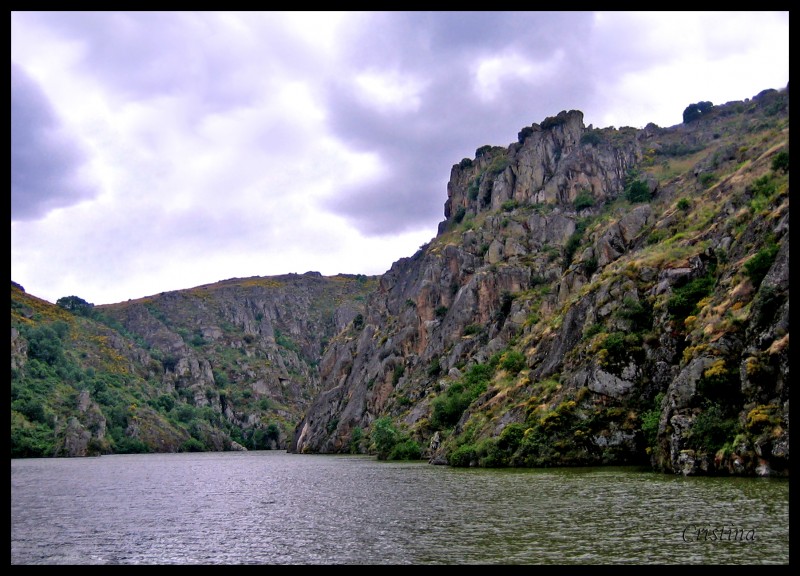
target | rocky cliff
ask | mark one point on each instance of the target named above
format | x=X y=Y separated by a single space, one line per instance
x=226 y=366
x=594 y=296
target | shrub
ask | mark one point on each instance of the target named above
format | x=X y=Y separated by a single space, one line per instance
x=553 y=121
x=44 y=343
x=707 y=179
x=192 y=445
x=781 y=162
x=591 y=137
x=637 y=312
x=584 y=199
x=650 y=420
x=462 y=456
x=448 y=407
x=758 y=266
x=406 y=449
x=637 y=191
x=473 y=329
x=589 y=266
x=614 y=343
x=498 y=164
x=683 y=301
x=355 y=440
x=509 y=205
x=570 y=246
x=711 y=429
x=398 y=372
x=684 y=204
x=513 y=361
x=474 y=187
x=511 y=437
x=764 y=186
x=434 y=369
x=482 y=150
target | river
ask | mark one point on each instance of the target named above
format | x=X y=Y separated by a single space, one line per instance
x=271 y=507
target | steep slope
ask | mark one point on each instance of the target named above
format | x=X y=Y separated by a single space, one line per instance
x=225 y=366
x=594 y=296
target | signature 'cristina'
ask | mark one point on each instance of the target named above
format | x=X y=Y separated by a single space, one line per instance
x=694 y=533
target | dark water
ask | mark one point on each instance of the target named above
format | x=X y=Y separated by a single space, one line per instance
x=277 y=508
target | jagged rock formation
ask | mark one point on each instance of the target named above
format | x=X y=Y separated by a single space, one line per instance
x=622 y=265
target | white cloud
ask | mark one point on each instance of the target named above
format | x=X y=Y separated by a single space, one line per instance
x=492 y=72
x=222 y=144
x=390 y=91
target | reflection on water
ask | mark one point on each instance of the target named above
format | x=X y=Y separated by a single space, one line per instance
x=276 y=508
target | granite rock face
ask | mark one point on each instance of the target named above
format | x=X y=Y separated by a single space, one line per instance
x=542 y=252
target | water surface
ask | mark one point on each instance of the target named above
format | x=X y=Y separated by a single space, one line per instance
x=270 y=507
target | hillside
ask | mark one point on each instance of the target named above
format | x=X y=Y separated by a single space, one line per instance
x=593 y=296
x=226 y=366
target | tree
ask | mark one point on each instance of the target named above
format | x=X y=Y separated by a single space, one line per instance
x=384 y=436
x=75 y=305
x=695 y=111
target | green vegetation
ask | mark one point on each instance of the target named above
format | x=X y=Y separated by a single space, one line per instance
x=584 y=199
x=509 y=205
x=650 y=420
x=448 y=407
x=684 y=299
x=524 y=133
x=781 y=162
x=574 y=241
x=711 y=429
x=695 y=111
x=758 y=266
x=389 y=443
x=474 y=188
x=482 y=150
x=637 y=191
x=499 y=163
x=591 y=137
x=707 y=179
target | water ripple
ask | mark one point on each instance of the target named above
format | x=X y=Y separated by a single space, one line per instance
x=278 y=508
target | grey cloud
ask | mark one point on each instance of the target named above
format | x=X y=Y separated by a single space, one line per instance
x=45 y=159
x=442 y=50
x=201 y=56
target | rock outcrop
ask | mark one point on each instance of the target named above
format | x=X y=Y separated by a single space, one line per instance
x=615 y=262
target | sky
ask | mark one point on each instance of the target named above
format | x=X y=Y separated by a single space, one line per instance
x=160 y=151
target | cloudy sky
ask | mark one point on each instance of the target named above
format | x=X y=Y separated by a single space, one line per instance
x=160 y=151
